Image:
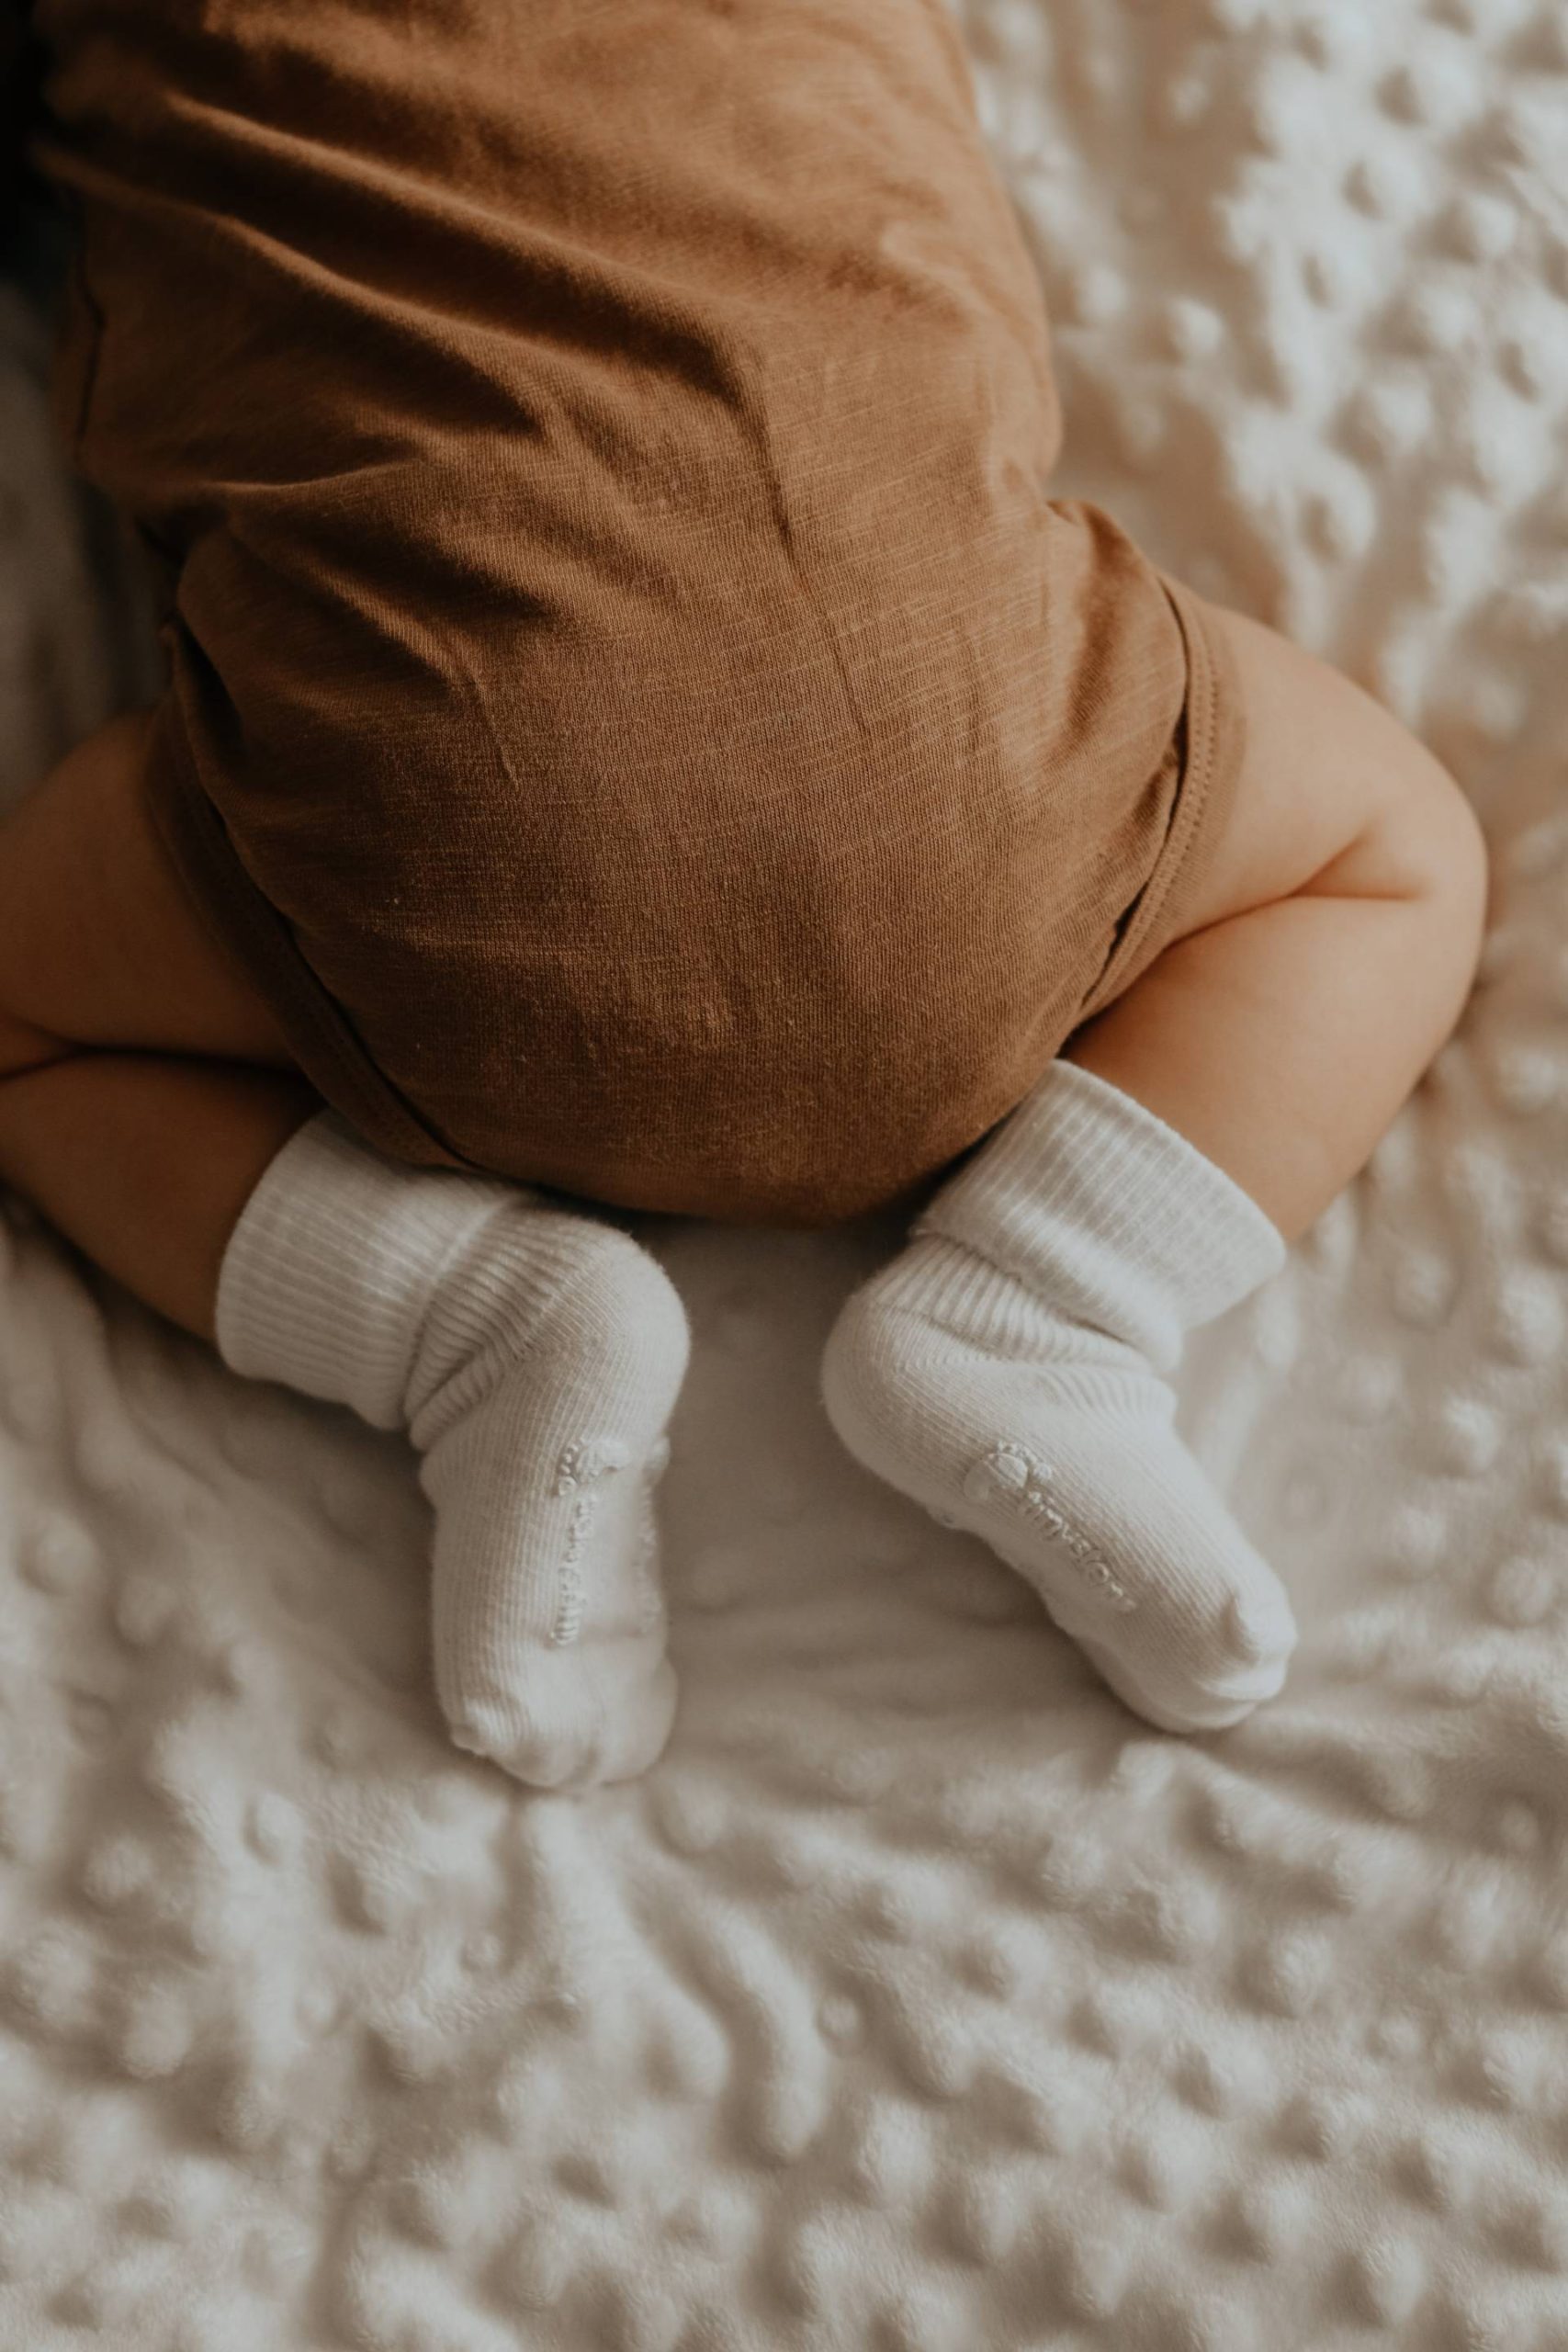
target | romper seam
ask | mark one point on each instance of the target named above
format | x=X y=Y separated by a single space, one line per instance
x=1215 y=743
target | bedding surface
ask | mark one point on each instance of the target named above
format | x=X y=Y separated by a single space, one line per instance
x=921 y=1999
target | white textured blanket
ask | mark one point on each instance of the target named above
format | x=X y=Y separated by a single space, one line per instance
x=922 y=1999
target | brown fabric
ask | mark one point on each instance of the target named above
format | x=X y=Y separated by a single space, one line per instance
x=633 y=707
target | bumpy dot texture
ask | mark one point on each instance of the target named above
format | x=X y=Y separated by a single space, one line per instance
x=921 y=1999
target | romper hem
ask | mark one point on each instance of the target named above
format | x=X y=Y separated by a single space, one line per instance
x=1216 y=742
x=247 y=926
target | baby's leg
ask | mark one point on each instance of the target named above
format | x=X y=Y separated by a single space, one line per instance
x=533 y=1355
x=143 y=1086
x=1331 y=952
x=1005 y=1370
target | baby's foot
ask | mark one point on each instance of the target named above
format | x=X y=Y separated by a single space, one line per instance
x=1054 y=1443
x=552 y=1357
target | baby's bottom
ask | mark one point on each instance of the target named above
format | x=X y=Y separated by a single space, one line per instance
x=1330 y=957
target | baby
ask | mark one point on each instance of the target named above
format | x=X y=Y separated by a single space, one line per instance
x=637 y=735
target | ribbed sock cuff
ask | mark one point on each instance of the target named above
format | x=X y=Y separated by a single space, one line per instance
x=330 y=1271
x=489 y=1303
x=1089 y=1199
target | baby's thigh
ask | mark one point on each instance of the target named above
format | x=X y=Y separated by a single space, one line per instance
x=99 y=944
x=1329 y=779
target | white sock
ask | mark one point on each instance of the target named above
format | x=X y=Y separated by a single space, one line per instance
x=534 y=1357
x=1005 y=1372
